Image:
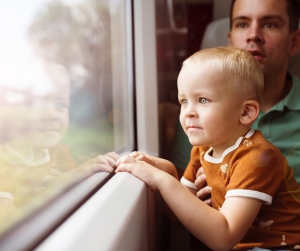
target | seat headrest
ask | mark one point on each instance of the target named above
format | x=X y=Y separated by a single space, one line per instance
x=216 y=35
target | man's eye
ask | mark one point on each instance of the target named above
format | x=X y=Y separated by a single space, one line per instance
x=270 y=25
x=203 y=100
x=241 y=25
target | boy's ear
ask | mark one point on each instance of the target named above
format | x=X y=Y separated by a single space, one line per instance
x=250 y=112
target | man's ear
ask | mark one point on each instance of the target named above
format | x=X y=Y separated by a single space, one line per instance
x=250 y=112
x=229 y=38
x=295 y=42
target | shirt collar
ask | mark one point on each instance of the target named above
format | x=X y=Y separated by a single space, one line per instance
x=291 y=101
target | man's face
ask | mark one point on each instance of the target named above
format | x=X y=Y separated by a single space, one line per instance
x=262 y=28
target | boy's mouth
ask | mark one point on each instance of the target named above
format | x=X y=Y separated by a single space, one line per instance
x=193 y=128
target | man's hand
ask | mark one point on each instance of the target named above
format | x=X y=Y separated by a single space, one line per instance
x=204 y=192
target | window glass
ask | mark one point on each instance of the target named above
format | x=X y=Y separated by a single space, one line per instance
x=66 y=95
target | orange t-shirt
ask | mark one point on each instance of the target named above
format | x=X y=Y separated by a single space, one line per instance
x=20 y=181
x=254 y=168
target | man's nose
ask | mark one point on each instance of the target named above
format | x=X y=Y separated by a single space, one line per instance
x=255 y=34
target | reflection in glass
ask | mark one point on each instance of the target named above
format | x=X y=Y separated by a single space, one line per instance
x=57 y=108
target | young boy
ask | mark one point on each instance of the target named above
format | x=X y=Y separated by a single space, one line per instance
x=255 y=198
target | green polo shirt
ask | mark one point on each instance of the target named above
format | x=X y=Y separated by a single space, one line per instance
x=274 y=123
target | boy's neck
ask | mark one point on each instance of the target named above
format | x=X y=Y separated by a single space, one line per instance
x=217 y=152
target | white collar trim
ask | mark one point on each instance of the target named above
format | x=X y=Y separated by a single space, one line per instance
x=219 y=160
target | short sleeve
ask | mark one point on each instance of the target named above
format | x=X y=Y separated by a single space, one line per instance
x=256 y=172
x=190 y=172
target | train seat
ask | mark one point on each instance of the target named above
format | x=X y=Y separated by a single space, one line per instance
x=216 y=35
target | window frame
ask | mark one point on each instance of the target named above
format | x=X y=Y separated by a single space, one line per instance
x=67 y=204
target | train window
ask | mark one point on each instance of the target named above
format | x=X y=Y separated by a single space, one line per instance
x=66 y=95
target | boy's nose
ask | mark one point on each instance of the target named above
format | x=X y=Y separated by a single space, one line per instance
x=49 y=112
x=190 y=113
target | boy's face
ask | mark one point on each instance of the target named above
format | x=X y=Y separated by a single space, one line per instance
x=210 y=112
x=262 y=28
x=52 y=119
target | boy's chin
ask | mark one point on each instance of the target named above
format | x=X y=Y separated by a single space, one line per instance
x=47 y=143
x=196 y=142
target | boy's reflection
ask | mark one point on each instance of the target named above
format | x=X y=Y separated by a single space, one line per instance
x=31 y=153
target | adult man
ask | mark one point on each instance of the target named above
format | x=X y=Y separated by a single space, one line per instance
x=268 y=29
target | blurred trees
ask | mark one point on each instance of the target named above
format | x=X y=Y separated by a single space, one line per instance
x=78 y=37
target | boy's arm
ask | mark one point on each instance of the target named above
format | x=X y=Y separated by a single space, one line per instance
x=218 y=229
x=101 y=163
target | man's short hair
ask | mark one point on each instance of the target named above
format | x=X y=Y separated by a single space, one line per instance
x=292 y=10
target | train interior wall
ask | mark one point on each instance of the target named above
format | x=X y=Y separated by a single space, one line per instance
x=179 y=32
x=178 y=35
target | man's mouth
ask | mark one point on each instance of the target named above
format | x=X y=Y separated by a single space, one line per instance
x=256 y=54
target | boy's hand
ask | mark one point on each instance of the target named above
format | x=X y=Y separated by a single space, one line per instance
x=143 y=157
x=204 y=192
x=152 y=176
x=104 y=163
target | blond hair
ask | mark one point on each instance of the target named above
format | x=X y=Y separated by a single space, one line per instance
x=242 y=73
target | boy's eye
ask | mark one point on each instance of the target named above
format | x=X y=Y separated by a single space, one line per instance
x=203 y=100
x=61 y=105
x=183 y=102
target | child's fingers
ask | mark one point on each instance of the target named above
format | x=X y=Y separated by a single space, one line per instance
x=111 y=158
x=122 y=168
x=120 y=160
x=101 y=168
x=106 y=159
x=125 y=159
x=125 y=164
x=134 y=154
x=112 y=155
x=140 y=157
